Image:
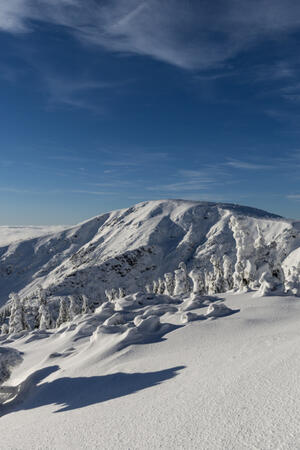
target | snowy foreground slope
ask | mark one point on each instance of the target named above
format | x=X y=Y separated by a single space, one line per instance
x=220 y=383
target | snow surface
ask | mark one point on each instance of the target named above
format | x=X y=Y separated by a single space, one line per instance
x=163 y=363
x=224 y=383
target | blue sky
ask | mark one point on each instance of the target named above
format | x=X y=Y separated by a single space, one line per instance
x=108 y=103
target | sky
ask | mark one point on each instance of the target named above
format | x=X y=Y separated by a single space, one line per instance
x=105 y=104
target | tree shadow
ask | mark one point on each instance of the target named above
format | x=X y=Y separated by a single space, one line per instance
x=75 y=393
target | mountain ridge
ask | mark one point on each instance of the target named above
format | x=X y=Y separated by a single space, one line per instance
x=131 y=247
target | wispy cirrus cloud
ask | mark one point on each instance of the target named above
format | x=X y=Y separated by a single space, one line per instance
x=293 y=196
x=193 y=181
x=186 y=34
x=73 y=93
x=237 y=164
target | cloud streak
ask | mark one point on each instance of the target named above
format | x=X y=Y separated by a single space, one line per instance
x=236 y=164
x=190 y=35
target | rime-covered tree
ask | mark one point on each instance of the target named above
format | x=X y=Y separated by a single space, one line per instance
x=63 y=315
x=45 y=316
x=111 y=294
x=155 y=287
x=17 y=320
x=182 y=286
x=169 y=283
x=292 y=281
x=227 y=273
x=121 y=292
x=196 y=276
x=85 y=305
x=148 y=288
x=108 y=295
x=265 y=283
x=161 y=286
x=75 y=307
x=217 y=279
x=4 y=329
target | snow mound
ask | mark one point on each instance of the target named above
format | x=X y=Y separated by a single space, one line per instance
x=218 y=310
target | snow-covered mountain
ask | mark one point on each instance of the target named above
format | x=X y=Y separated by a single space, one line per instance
x=131 y=247
x=146 y=350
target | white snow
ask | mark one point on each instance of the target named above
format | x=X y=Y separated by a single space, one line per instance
x=121 y=335
x=228 y=383
x=131 y=248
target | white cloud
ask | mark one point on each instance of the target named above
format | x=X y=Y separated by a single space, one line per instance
x=72 y=93
x=294 y=196
x=190 y=34
x=248 y=165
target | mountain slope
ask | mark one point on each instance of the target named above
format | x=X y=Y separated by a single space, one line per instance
x=131 y=247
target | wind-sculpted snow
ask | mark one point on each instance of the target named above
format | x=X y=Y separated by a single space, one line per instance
x=9 y=358
x=168 y=247
x=137 y=318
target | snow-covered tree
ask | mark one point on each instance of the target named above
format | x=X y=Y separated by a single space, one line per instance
x=121 y=292
x=44 y=313
x=63 y=315
x=85 y=305
x=217 y=280
x=4 y=329
x=75 y=307
x=265 y=283
x=209 y=282
x=292 y=281
x=155 y=287
x=17 y=320
x=227 y=273
x=148 y=288
x=111 y=294
x=260 y=240
x=169 y=283
x=182 y=286
x=196 y=276
x=108 y=295
x=161 y=286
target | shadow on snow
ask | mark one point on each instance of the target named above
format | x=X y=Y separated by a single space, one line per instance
x=75 y=393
